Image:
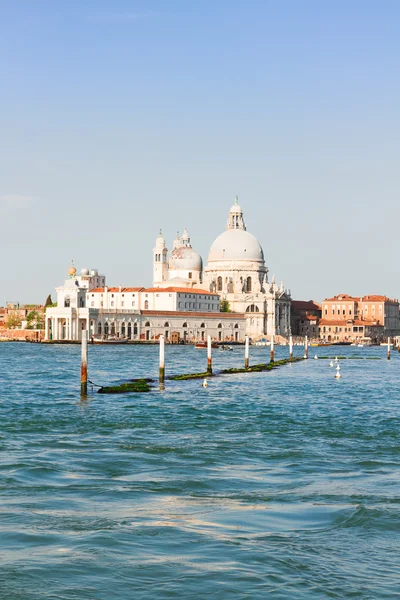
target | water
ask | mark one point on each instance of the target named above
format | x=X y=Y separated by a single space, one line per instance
x=282 y=485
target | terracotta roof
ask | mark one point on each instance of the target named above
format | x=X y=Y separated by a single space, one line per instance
x=310 y=317
x=305 y=305
x=376 y=298
x=337 y=323
x=348 y=322
x=116 y=289
x=180 y=290
x=340 y=297
x=367 y=322
x=187 y=315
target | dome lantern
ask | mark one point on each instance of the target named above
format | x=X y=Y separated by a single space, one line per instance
x=235 y=217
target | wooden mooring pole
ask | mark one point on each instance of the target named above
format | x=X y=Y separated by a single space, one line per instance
x=272 y=353
x=290 y=347
x=306 y=347
x=388 y=351
x=162 y=358
x=246 y=353
x=84 y=364
x=209 y=355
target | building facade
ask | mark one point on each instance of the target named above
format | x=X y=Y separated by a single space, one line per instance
x=370 y=318
x=304 y=318
x=86 y=303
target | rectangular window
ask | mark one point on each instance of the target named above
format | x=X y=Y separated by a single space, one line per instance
x=344 y=312
x=112 y=303
x=122 y=303
x=190 y=276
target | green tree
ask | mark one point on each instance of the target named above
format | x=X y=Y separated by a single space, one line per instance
x=225 y=306
x=13 y=321
x=35 y=320
x=48 y=302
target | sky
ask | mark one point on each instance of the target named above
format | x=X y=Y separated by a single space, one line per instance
x=120 y=118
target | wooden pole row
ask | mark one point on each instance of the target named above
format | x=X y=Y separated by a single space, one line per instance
x=84 y=357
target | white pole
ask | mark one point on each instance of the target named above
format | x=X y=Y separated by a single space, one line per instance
x=290 y=347
x=388 y=354
x=162 y=358
x=306 y=347
x=246 y=353
x=272 y=355
x=209 y=356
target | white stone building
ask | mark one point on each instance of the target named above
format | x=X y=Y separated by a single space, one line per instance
x=86 y=303
x=235 y=270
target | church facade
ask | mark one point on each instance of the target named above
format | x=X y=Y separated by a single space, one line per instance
x=235 y=270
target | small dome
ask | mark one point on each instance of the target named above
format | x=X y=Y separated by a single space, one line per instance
x=236 y=244
x=85 y=272
x=94 y=272
x=72 y=271
x=185 y=258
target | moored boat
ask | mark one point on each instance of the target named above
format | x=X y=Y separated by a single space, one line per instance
x=112 y=340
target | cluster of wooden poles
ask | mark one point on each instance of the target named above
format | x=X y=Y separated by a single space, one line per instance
x=84 y=358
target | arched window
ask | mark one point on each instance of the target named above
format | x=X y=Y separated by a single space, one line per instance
x=248 y=284
x=82 y=302
x=252 y=308
x=219 y=325
x=67 y=302
x=147 y=324
x=129 y=330
x=236 y=326
x=184 y=325
x=123 y=329
x=135 y=329
x=112 y=328
x=219 y=284
x=99 y=328
x=146 y=305
x=203 y=325
x=166 y=324
x=105 y=328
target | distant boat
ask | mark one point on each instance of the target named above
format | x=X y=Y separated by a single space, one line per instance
x=204 y=345
x=322 y=344
x=112 y=340
x=225 y=347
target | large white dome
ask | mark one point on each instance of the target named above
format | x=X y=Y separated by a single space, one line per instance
x=236 y=244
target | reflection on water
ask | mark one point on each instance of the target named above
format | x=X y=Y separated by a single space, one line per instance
x=279 y=485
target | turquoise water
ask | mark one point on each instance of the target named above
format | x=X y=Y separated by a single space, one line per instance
x=282 y=485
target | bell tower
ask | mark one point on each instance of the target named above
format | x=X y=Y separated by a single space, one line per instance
x=160 y=261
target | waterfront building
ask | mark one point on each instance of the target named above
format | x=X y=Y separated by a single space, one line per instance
x=86 y=303
x=369 y=318
x=304 y=318
x=235 y=270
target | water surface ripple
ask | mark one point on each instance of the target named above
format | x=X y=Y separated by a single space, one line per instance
x=282 y=485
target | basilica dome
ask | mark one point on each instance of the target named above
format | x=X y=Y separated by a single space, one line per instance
x=185 y=257
x=236 y=244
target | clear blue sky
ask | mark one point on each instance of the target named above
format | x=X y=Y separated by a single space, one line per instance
x=118 y=118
